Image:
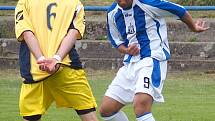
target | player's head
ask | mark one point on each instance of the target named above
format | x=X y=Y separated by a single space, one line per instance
x=124 y=3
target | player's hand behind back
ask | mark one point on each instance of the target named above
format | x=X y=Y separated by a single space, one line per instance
x=49 y=65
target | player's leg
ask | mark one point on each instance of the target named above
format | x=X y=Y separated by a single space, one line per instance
x=110 y=110
x=148 y=88
x=117 y=95
x=34 y=101
x=142 y=107
x=71 y=89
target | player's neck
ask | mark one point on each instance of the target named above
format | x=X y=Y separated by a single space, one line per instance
x=125 y=4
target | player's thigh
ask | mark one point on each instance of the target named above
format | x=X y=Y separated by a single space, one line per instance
x=142 y=103
x=70 y=88
x=34 y=99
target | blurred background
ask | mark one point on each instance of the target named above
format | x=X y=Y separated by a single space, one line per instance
x=189 y=89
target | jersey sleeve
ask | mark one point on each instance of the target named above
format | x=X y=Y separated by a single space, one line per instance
x=78 y=21
x=164 y=8
x=22 y=20
x=113 y=34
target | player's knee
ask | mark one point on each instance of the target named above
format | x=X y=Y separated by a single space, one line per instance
x=143 y=101
x=102 y=112
x=105 y=112
x=109 y=107
x=32 y=118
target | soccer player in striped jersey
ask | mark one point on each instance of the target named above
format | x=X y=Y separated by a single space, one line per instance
x=49 y=64
x=137 y=29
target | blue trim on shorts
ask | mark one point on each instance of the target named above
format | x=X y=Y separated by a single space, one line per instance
x=156 y=74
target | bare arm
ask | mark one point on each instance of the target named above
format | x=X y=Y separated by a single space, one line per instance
x=197 y=26
x=68 y=43
x=50 y=65
x=33 y=44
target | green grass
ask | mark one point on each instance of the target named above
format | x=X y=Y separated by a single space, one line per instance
x=189 y=96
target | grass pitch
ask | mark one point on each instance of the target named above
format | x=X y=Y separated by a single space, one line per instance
x=189 y=96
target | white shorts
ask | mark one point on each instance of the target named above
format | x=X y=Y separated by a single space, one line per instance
x=145 y=76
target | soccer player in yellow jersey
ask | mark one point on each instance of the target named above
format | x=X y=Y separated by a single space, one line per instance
x=49 y=64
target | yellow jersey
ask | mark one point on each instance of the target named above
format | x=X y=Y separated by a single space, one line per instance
x=49 y=20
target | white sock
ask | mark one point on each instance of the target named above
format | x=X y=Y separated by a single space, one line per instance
x=146 y=117
x=119 y=116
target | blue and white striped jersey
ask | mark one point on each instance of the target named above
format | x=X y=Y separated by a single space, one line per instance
x=143 y=24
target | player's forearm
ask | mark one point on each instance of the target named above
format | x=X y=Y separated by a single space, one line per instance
x=33 y=44
x=188 y=20
x=132 y=49
x=68 y=43
x=123 y=49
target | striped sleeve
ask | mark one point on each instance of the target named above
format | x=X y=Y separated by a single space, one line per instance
x=163 y=8
x=113 y=34
x=22 y=20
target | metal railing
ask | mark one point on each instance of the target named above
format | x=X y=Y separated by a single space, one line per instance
x=104 y=8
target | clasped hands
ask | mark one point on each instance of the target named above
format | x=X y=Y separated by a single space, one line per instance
x=50 y=65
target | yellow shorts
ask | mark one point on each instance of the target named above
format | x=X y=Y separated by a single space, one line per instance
x=68 y=88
